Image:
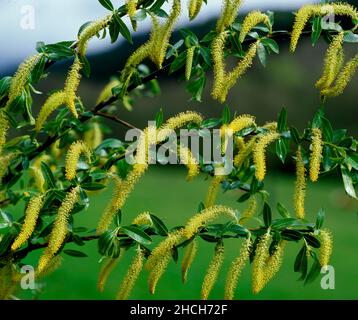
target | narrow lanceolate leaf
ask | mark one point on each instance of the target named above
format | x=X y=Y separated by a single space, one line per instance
x=107 y=4
x=49 y=177
x=123 y=29
x=137 y=235
x=348 y=182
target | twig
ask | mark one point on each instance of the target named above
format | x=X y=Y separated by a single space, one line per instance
x=115 y=119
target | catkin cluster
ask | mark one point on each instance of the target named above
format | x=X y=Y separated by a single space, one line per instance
x=194 y=8
x=72 y=157
x=300 y=187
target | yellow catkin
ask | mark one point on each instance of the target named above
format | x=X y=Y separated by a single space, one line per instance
x=228 y=14
x=241 y=122
x=189 y=62
x=212 y=272
x=250 y=210
x=213 y=190
x=224 y=81
x=59 y=230
x=51 y=266
x=274 y=262
x=21 y=77
x=132 y=8
x=161 y=34
x=306 y=12
x=31 y=216
x=239 y=143
x=56 y=150
x=332 y=63
x=251 y=20
x=53 y=102
x=206 y=216
x=131 y=276
x=325 y=250
x=259 y=153
x=94 y=136
x=143 y=219
x=316 y=154
x=90 y=31
x=258 y=265
x=343 y=78
x=106 y=270
x=188 y=258
x=4 y=164
x=71 y=85
x=4 y=128
x=72 y=157
x=245 y=152
x=187 y=158
x=159 y=259
x=106 y=92
x=178 y=121
x=194 y=8
x=300 y=187
x=236 y=268
x=36 y=172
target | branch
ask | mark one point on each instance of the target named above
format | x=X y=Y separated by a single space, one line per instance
x=115 y=119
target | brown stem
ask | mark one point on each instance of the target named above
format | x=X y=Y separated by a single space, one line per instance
x=115 y=119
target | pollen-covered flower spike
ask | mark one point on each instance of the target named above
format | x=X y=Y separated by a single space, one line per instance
x=306 y=12
x=206 y=216
x=300 y=187
x=159 y=259
x=343 y=78
x=250 y=210
x=4 y=128
x=258 y=265
x=228 y=14
x=251 y=20
x=106 y=270
x=71 y=85
x=21 y=77
x=259 y=153
x=31 y=216
x=194 y=8
x=316 y=154
x=188 y=258
x=53 y=102
x=189 y=62
x=213 y=190
x=132 y=8
x=236 y=268
x=332 y=62
x=131 y=276
x=213 y=271
x=60 y=228
x=187 y=158
x=72 y=157
x=325 y=251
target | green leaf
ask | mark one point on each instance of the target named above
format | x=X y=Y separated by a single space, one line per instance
x=327 y=130
x=92 y=186
x=114 y=30
x=178 y=62
x=316 y=30
x=261 y=52
x=107 y=4
x=159 y=226
x=118 y=218
x=137 y=235
x=157 y=5
x=7 y=217
x=196 y=87
x=159 y=117
x=282 y=210
x=282 y=120
x=295 y=135
x=312 y=241
x=38 y=70
x=291 y=235
x=348 y=182
x=109 y=245
x=244 y=197
x=211 y=123
x=271 y=44
x=267 y=215
x=75 y=253
x=123 y=29
x=48 y=175
x=314 y=271
x=284 y=223
x=5 y=86
x=281 y=150
x=301 y=262
x=320 y=219
x=226 y=115
x=86 y=66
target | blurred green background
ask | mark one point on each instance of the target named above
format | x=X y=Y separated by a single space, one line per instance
x=287 y=81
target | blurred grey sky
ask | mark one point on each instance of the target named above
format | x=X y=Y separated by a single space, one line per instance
x=59 y=20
